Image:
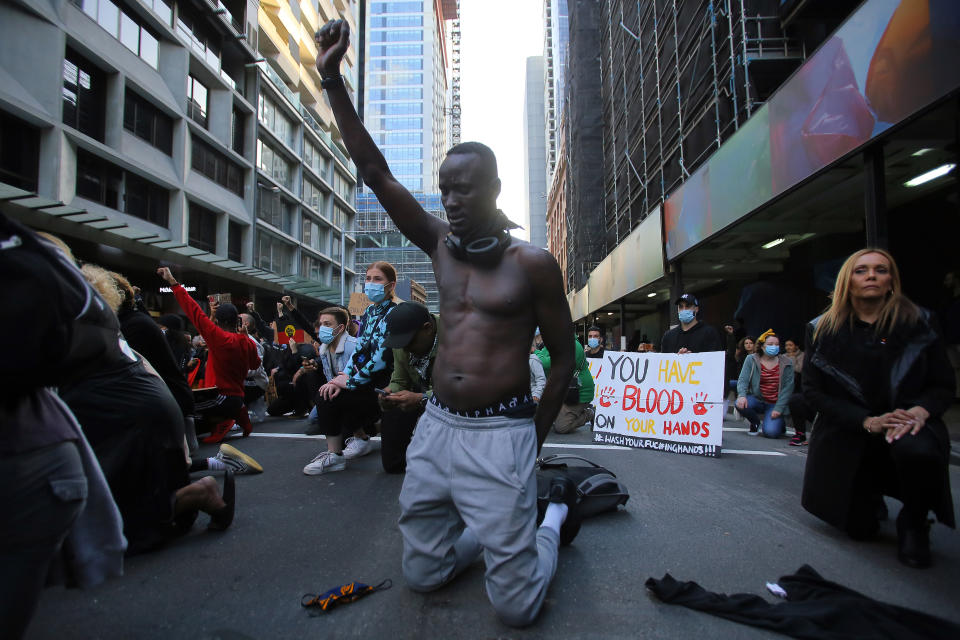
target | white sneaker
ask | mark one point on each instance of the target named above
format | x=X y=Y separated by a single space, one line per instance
x=324 y=463
x=356 y=447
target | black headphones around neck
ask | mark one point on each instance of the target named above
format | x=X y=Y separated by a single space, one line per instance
x=485 y=252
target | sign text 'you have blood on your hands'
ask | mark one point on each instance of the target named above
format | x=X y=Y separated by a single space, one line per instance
x=661 y=401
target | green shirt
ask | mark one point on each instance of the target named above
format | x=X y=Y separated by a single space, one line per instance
x=407 y=378
x=586 y=378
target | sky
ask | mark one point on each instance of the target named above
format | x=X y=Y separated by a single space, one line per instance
x=497 y=37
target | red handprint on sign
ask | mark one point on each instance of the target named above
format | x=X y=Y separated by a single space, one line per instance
x=698 y=407
x=605 y=395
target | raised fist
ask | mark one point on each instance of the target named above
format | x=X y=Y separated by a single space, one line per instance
x=164 y=272
x=332 y=40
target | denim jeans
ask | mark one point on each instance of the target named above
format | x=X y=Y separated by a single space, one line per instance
x=771 y=427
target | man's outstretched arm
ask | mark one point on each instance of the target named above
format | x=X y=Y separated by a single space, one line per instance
x=421 y=228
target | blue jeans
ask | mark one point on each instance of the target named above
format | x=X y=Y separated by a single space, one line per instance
x=771 y=427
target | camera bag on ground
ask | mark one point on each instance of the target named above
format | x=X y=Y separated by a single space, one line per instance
x=597 y=486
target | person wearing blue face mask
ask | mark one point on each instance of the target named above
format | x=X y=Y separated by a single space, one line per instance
x=765 y=386
x=594 y=348
x=347 y=403
x=691 y=335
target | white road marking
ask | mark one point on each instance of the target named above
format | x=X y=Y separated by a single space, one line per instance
x=747 y=452
x=552 y=445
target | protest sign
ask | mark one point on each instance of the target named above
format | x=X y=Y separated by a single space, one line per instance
x=663 y=401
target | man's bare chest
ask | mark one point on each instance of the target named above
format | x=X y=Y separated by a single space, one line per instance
x=503 y=291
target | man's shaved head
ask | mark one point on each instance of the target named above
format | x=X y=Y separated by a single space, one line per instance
x=485 y=153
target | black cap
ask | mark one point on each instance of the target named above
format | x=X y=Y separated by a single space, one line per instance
x=689 y=298
x=403 y=322
x=226 y=314
x=171 y=321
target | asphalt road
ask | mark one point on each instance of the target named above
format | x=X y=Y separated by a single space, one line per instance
x=730 y=524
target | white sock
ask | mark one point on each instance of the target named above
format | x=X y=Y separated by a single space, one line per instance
x=555 y=516
x=215 y=464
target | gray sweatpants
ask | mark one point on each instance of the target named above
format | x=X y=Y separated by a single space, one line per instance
x=471 y=486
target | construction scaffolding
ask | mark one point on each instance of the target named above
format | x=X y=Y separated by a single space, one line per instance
x=583 y=129
x=679 y=77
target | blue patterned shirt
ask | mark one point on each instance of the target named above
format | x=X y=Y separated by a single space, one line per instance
x=369 y=356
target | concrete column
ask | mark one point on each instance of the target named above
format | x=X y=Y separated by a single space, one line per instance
x=875 y=197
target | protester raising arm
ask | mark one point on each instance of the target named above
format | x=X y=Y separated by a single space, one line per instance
x=423 y=229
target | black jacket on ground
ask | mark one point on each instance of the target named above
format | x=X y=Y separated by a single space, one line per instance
x=698 y=338
x=915 y=371
x=815 y=608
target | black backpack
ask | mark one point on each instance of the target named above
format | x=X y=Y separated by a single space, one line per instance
x=599 y=489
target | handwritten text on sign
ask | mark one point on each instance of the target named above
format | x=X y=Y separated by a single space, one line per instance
x=662 y=401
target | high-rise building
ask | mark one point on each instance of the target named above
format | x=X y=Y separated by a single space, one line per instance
x=555 y=46
x=306 y=185
x=405 y=111
x=750 y=146
x=535 y=152
x=164 y=131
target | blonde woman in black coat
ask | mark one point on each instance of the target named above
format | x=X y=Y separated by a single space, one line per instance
x=877 y=373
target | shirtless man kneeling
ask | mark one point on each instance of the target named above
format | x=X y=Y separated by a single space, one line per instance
x=470 y=487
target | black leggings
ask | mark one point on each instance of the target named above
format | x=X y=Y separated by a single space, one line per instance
x=801 y=412
x=350 y=410
x=910 y=469
x=396 y=430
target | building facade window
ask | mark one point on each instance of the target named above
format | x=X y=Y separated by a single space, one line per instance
x=192 y=31
x=380 y=50
x=272 y=117
x=403 y=93
x=209 y=162
x=343 y=187
x=313 y=196
x=396 y=124
x=197 y=101
x=400 y=154
x=335 y=249
x=125 y=26
x=274 y=210
x=98 y=180
x=237 y=122
x=144 y=120
x=341 y=216
x=19 y=153
x=411 y=35
x=398 y=137
x=394 y=108
x=395 y=79
x=274 y=255
x=274 y=164
x=377 y=8
x=396 y=21
x=315 y=159
x=146 y=200
x=235 y=241
x=84 y=95
x=396 y=64
x=203 y=228
x=313 y=235
x=311 y=268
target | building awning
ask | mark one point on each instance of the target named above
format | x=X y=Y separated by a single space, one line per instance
x=46 y=214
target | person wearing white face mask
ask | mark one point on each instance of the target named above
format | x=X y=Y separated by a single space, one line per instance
x=765 y=387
